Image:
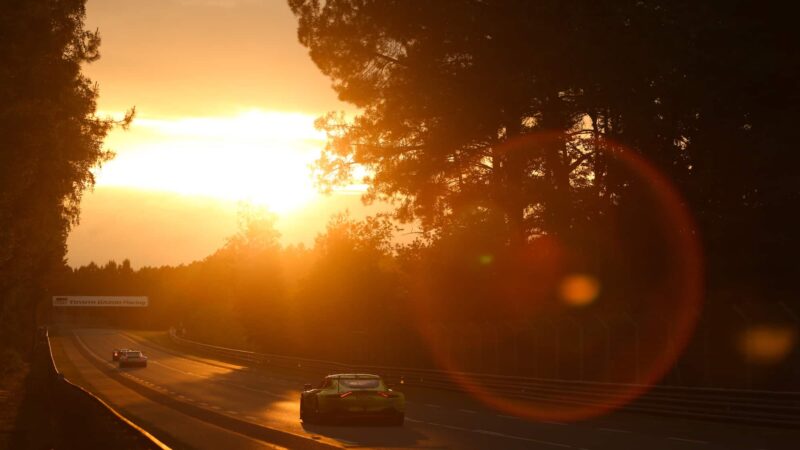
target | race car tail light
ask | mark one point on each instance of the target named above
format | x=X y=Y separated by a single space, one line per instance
x=386 y=395
x=346 y=394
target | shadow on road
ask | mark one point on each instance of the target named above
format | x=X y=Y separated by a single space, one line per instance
x=369 y=434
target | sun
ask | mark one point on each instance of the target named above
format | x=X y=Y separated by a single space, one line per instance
x=256 y=156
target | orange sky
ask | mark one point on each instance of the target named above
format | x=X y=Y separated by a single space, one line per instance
x=225 y=99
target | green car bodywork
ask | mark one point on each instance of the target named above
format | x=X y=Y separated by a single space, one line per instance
x=344 y=396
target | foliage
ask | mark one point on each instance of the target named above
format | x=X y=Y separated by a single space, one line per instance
x=255 y=293
x=10 y=362
x=51 y=141
x=516 y=110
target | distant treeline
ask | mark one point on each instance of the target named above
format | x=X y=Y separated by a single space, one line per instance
x=358 y=297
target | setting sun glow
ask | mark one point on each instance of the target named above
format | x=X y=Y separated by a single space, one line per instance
x=256 y=156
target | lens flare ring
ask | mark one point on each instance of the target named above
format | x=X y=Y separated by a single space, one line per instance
x=684 y=283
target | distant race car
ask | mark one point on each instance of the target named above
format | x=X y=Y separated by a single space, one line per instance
x=354 y=396
x=132 y=358
x=117 y=352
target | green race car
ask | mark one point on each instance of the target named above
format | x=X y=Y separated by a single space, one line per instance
x=354 y=396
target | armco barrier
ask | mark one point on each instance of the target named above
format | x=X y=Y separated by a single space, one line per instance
x=82 y=419
x=746 y=406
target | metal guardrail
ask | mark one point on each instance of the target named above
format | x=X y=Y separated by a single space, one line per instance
x=100 y=425
x=745 y=406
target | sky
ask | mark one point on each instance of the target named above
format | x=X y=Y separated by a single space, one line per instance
x=225 y=101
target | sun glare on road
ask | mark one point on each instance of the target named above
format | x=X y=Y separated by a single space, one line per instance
x=257 y=156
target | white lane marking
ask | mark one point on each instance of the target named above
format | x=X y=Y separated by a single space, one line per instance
x=232 y=412
x=227 y=383
x=260 y=391
x=91 y=352
x=549 y=422
x=490 y=433
x=254 y=419
x=502 y=416
x=452 y=427
x=520 y=438
x=203 y=404
x=99 y=358
x=613 y=430
x=691 y=441
x=148 y=343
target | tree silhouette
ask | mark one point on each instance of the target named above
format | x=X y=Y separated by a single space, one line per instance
x=705 y=91
x=51 y=139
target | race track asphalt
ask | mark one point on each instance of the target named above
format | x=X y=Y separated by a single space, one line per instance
x=196 y=402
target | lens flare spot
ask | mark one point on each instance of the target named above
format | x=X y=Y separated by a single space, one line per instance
x=579 y=289
x=486 y=259
x=767 y=344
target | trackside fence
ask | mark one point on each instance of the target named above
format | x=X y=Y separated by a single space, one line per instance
x=736 y=405
x=81 y=419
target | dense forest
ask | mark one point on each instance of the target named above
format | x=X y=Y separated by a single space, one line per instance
x=359 y=297
x=601 y=189
x=51 y=139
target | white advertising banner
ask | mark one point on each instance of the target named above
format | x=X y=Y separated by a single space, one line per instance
x=71 y=300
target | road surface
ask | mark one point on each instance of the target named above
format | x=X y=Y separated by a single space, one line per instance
x=197 y=402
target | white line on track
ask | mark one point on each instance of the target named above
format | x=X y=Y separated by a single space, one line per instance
x=691 y=441
x=550 y=422
x=227 y=383
x=520 y=438
x=157 y=387
x=613 y=430
x=450 y=427
x=489 y=433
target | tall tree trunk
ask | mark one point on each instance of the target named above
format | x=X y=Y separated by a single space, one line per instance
x=559 y=206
